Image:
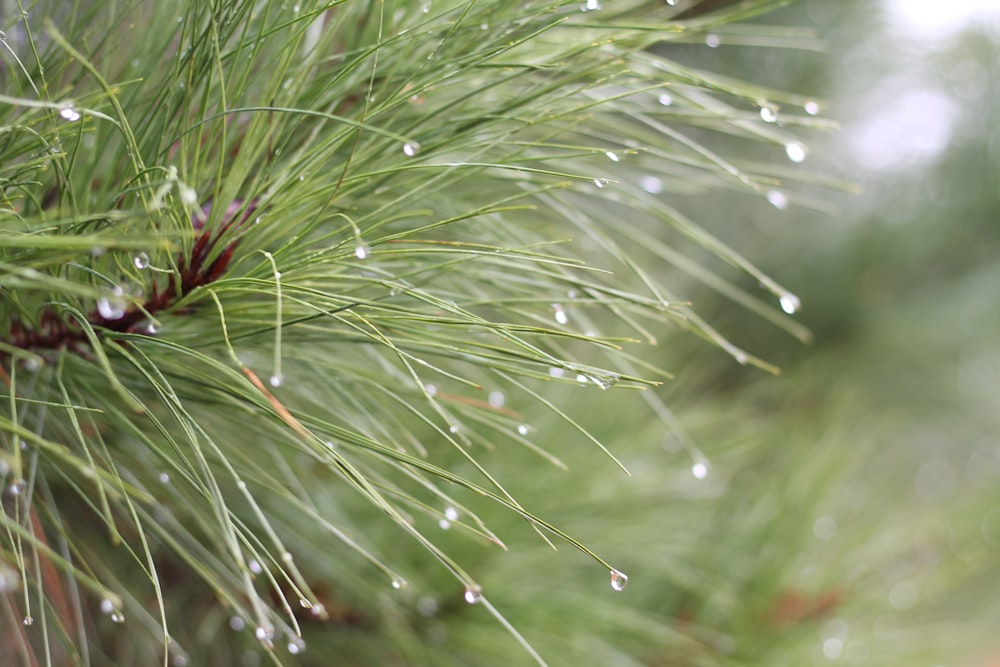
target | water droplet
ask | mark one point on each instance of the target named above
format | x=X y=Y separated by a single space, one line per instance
x=600 y=182
x=69 y=113
x=768 y=113
x=811 y=107
x=431 y=389
x=581 y=378
x=296 y=646
x=254 y=566
x=665 y=99
x=117 y=617
x=740 y=356
x=141 y=261
x=410 y=149
x=700 y=470
x=361 y=251
x=522 y=429
x=496 y=399
x=107 y=606
x=444 y=524
x=651 y=184
x=556 y=372
x=265 y=634
x=318 y=610
x=398 y=584
x=796 y=151
x=426 y=8
x=112 y=308
x=152 y=329
x=454 y=428
x=560 y=314
x=15 y=487
x=712 y=40
x=237 y=623
x=451 y=513
x=473 y=594
x=790 y=303
x=295 y=9
x=591 y=6
x=672 y=3
x=277 y=379
x=164 y=478
x=619 y=580
x=777 y=199
x=180 y=661
x=613 y=156
x=605 y=382
x=28 y=620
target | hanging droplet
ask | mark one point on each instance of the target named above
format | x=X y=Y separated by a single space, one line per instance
x=140 y=261
x=605 y=382
x=556 y=372
x=164 y=478
x=591 y=6
x=237 y=623
x=277 y=379
x=410 y=149
x=600 y=182
x=619 y=580
x=28 y=620
x=712 y=40
x=789 y=303
x=699 y=470
x=444 y=524
x=398 y=584
x=496 y=399
x=15 y=487
x=473 y=594
x=672 y=3
x=152 y=329
x=796 y=151
x=560 y=314
x=522 y=429
x=777 y=199
x=117 y=616
x=811 y=108
x=361 y=251
x=69 y=113
x=613 y=156
x=768 y=113
x=296 y=646
x=454 y=428
x=318 y=610
x=451 y=513
x=665 y=99
x=254 y=566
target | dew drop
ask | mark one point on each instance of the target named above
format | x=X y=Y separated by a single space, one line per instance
x=107 y=606
x=777 y=199
x=614 y=157
x=361 y=251
x=473 y=594
x=28 y=620
x=496 y=399
x=237 y=623
x=254 y=566
x=117 y=617
x=431 y=390
x=591 y=6
x=152 y=329
x=651 y=184
x=665 y=99
x=277 y=379
x=700 y=470
x=111 y=308
x=712 y=40
x=768 y=113
x=410 y=149
x=789 y=303
x=581 y=378
x=600 y=182
x=318 y=610
x=672 y=3
x=444 y=524
x=560 y=314
x=522 y=429
x=556 y=372
x=69 y=113
x=454 y=428
x=398 y=584
x=451 y=513
x=15 y=487
x=796 y=151
x=140 y=261
x=296 y=646
x=619 y=580
x=164 y=478
x=605 y=382
x=265 y=635
x=484 y=26
x=811 y=108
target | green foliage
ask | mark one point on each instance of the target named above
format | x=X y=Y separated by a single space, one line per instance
x=291 y=288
